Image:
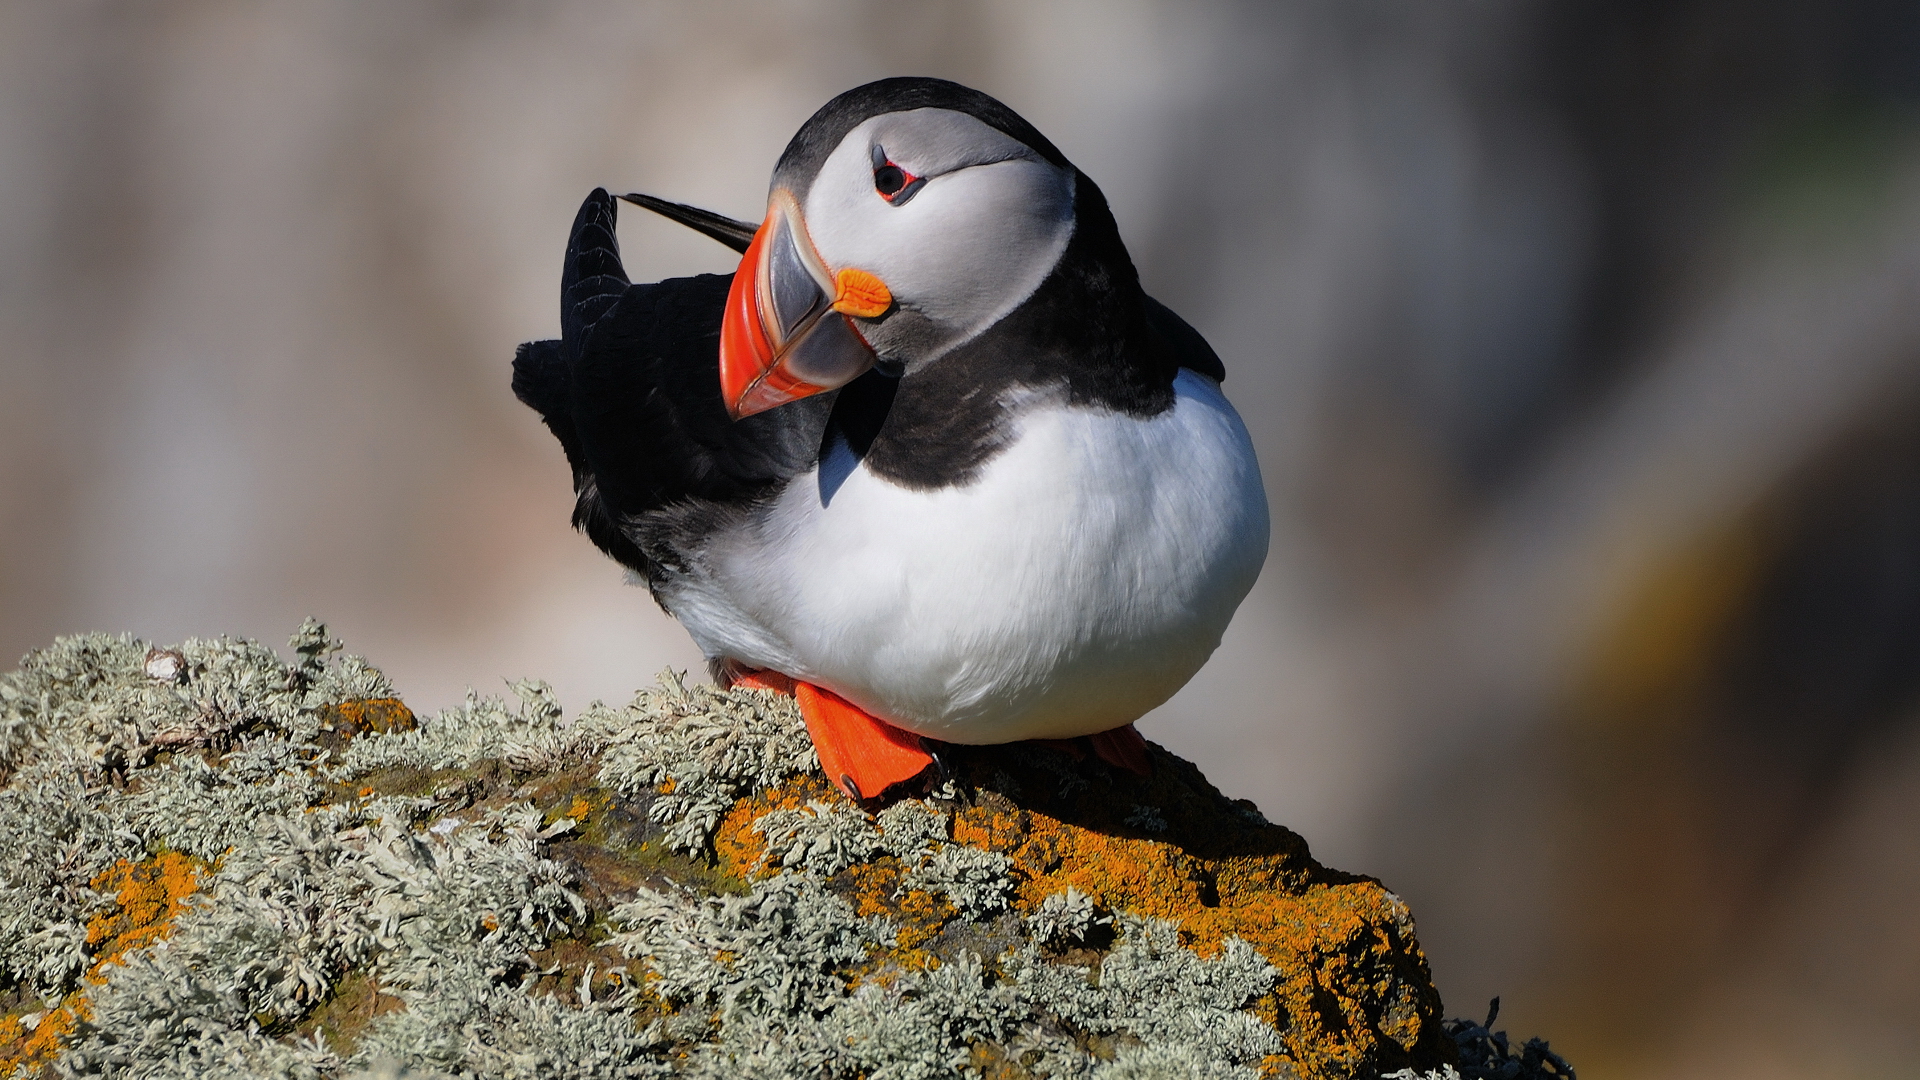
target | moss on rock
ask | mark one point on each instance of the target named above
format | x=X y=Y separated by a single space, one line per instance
x=227 y=864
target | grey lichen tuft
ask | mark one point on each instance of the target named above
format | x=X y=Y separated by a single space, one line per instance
x=92 y=700
x=821 y=836
x=479 y=729
x=910 y=827
x=1147 y=819
x=774 y=953
x=697 y=749
x=1067 y=917
x=973 y=880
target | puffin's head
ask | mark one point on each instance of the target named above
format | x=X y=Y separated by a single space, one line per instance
x=905 y=217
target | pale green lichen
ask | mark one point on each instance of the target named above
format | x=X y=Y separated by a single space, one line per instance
x=58 y=838
x=191 y=805
x=1147 y=819
x=766 y=969
x=476 y=1026
x=909 y=827
x=78 y=716
x=769 y=970
x=113 y=703
x=775 y=952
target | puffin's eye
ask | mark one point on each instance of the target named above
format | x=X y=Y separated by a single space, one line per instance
x=893 y=183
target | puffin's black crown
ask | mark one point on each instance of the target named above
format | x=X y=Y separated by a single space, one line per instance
x=816 y=139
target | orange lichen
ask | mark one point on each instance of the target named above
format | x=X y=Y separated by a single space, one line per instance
x=148 y=895
x=14 y=1052
x=918 y=914
x=874 y=886
x=364 y=715
x=1341 y=946
x=1350 y=973
x=740 y=850
x=23 y=1051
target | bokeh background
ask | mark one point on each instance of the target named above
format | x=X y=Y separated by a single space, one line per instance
x=1580 y=340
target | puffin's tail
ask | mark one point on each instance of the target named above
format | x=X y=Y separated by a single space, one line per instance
x=591 y=282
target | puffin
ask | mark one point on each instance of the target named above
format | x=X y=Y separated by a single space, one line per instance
x=930 y=460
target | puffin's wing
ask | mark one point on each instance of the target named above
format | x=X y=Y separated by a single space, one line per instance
x=1192 y=350
x=632 y=391
x=646 y=397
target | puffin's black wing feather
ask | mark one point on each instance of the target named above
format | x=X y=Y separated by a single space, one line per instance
x=1192 y=349
x=632 y=391
x=542 y=382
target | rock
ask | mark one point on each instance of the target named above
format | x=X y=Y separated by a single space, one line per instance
x=1348 y=991
x=320 y=883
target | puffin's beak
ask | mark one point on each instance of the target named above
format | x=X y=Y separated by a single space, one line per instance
x=786 y=333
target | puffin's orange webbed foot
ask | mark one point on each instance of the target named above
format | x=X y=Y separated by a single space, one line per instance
x=1069 y=747
x=763 y=680
x=860 y=753
x=1124 y=748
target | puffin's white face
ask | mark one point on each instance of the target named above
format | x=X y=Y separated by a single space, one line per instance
x=921 y=229
x=974 y=222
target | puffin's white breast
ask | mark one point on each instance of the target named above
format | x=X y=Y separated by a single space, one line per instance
x=1080 y=580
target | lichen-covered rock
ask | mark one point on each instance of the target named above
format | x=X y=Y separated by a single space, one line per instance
x=224 y=864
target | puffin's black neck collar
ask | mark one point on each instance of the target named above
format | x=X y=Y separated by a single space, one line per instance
x=1083 y=336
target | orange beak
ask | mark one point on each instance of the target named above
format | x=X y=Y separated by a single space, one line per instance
x=788 y=331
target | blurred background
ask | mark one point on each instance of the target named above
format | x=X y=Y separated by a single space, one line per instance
x=1580 y=341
